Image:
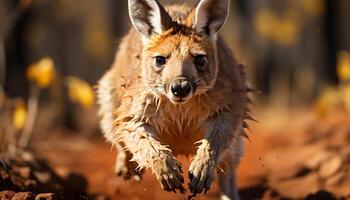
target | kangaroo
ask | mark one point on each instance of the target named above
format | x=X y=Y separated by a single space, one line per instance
x=176 y=89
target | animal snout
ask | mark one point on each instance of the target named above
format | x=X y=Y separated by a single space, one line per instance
x=181 y=87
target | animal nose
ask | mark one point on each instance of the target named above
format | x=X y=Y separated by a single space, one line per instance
x=181 y=88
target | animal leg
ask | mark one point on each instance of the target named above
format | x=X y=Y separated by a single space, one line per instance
x=227 y=180
x=126 y=168
x=147 y=152
x=220 y=136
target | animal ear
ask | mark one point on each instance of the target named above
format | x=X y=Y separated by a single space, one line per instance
x=210 y=16
x=149 y=17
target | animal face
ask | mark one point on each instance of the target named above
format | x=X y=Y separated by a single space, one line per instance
x=179 y=58
x=182 y=65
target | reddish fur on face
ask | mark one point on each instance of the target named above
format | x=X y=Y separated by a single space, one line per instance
x=169 y=42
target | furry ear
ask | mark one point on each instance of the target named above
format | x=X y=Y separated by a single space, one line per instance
x=149 y=17
x=210 y=16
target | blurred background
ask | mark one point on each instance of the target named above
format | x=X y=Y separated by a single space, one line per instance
x=296 y=53
x=290 y=47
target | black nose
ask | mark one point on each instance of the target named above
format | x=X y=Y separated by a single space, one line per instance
x=181 y=88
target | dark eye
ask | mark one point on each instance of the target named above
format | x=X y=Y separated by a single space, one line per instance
x=159 y=61
x=199 y=61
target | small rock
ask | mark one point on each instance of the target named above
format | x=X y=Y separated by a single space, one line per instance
x=316 y=160
x=43 y=177
x=330 y=167
x=6 y=195
x=28 y=157
x=45 y=196
x=22 y=171
x=23 y=196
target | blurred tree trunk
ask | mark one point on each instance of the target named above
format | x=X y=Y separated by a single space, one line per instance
x=119 y=16
x=338 y=33
x=331 y=24
x=11 y=30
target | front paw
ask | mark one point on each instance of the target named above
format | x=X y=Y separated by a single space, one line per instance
x=200 y=174
x=127 y=169
x=169 y=174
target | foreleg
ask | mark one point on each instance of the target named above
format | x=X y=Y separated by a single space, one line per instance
x=147 y=152
x=221 y=133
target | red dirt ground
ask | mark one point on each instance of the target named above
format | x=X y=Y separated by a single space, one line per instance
x=264 y=159
x=94 y=159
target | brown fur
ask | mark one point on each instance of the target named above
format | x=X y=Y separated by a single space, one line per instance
x=145 y=125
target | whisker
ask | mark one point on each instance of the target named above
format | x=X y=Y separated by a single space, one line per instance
x=151 y=80
x=205 y=86
x=201 y=78
x=143 y=79
x=143 y=87
x=138 y=92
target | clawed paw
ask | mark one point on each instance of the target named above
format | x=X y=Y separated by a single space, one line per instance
x=200 y=174
x=169 y=175
x=127 y=169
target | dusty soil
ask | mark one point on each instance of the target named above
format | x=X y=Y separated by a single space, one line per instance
x=293 y=158
x=23 y=176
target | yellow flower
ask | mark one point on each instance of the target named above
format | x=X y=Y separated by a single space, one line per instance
x=329 y=98
x=79 y=91
x=313 y=7
x=19 y=115
x=283 y=30
x=343 y=65
x=265 y=22
x=42 y=73
x=287 y=32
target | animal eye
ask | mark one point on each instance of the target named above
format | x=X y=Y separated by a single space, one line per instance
x=159 y=61
x=199 y=61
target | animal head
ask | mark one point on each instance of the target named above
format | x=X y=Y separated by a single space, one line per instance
x=179 y=57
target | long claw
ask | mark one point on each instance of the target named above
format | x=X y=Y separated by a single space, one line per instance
x=190 y=175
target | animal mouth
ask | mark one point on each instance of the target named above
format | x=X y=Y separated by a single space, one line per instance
x=180 y=101
x=176 y=100
x=180 y=90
